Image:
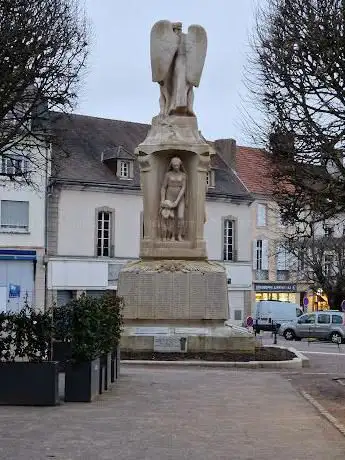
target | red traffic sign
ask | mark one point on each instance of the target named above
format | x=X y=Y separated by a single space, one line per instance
x=249 y=321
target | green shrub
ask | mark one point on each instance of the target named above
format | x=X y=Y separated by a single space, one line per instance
x=26 y=334
x=91 y=325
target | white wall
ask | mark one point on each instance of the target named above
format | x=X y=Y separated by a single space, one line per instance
x=76 y=227
x=240 y=275
x=77 y=220
x=36 y=198
x=77 y=274
x=214 y=231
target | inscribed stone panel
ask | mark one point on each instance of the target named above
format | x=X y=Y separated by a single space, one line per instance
x=128 y=288
x=163 y=295
x=180 y=307
x=146 y=295
x=197 y=295
x=216 y=303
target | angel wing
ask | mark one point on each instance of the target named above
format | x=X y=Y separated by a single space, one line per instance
x=196 y=47
x=164 y=43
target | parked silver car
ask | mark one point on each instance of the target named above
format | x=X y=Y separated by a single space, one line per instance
x=329 y=325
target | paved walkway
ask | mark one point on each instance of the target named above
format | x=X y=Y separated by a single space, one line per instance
x=175 y=414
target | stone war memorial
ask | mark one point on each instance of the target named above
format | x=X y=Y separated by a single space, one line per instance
x=175 y=298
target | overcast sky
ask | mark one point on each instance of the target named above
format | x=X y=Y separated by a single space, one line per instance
x=118 y=80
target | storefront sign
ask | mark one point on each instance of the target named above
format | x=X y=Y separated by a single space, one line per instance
x=270 y=287
x=17 y=254
x=14 y=290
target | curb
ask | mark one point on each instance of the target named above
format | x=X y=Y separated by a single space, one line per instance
x=299 y=361
x=322 y=411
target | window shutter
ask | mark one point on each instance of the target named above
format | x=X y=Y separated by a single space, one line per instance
x=131 y=169
x=265 y=254
x=261 y=215
x=254 y=254
x=281 y=258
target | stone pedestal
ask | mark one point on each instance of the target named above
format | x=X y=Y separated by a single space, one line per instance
x=174 y=296
x=179 y=292
x=170 y=137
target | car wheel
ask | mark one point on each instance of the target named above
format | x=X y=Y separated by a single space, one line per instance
x=336 y=337
x=289 y=334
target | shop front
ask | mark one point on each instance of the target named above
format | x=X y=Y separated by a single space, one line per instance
x=17 y=278
x=284 y=292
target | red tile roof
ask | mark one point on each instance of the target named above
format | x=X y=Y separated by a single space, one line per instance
x=253 y=168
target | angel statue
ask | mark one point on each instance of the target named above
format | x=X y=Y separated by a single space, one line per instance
x=177 y=60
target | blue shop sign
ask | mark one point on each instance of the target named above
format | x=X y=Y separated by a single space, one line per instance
x=14 y=290
x=17 y=254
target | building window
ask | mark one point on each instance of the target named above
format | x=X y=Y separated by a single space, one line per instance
x=261 y=216
x=15 y=215
x=329 y=231
x=328 y=264
x=283 y=263
x=210 y=178
x=259 y=254
x=13 y=165
x=260 y=259
x=228 y=242
x=103 y=233
x=124 y=172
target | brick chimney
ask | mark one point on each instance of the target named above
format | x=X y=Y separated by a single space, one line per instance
x=227 y=150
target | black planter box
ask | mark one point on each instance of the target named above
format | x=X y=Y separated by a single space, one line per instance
x=62 y=352
x=118 y=360
x=115 y=364
x=107 y=380
x=105 y=373
x=29 y=384
x=82 y=381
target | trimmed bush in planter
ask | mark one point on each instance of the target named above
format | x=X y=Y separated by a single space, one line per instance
x=92 y=326
x=26 y=376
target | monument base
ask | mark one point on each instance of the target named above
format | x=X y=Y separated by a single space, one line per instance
x=174 y=290
x=186 y=339
x=178 y=305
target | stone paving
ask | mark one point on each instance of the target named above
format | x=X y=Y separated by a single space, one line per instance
x=157 y=414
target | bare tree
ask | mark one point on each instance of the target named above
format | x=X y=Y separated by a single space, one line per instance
x=319 y=261
x=299 y=84
x=43 y=48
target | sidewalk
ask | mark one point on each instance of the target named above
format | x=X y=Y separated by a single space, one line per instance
x=175 y=414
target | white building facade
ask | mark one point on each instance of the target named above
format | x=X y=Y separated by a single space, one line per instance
x=22 y=233
x=95 y=214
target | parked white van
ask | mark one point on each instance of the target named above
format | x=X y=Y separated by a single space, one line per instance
x=272 y=313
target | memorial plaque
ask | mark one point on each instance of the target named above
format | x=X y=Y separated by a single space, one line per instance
x=180 y=307
x=197 y=295
x=128 y=288
x=146 y=295
x=150 y=331
x=191 y=331
x=163 y=295
x=170 y=344
x=216 y=296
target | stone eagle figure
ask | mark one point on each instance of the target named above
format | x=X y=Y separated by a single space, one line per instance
x=177 y=60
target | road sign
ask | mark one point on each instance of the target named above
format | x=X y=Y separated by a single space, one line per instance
x=343 y=305
x=249 y=321
x=305 y=303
